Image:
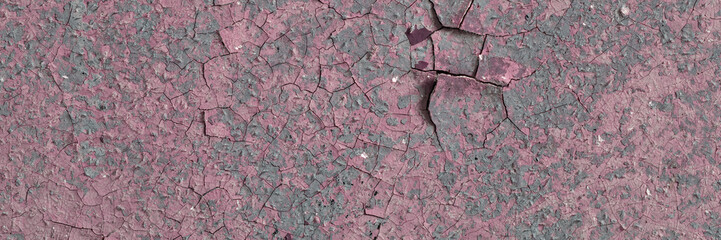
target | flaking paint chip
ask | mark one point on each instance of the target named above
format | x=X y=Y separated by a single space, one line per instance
x=625 y=11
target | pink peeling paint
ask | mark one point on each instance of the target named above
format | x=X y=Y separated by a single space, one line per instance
x=385 y=119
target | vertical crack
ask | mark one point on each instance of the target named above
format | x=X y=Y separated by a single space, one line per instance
x=480 y=53
x=508 y=116
x=430 y=116
x=470 y=3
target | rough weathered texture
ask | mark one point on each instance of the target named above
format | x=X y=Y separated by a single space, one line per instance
x=360 y=119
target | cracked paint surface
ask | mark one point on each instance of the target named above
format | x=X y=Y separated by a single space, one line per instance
x=360 y=119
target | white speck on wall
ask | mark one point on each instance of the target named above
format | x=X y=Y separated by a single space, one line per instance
x=238 y=47
x=600 y=139
x=648 y=192
x=625 y=10
x=480 y=57
x=364 y=155
x=66 y=77
x=2 y=79
x=395 y=79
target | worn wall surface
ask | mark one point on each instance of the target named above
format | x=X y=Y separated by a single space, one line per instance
x=360 y=119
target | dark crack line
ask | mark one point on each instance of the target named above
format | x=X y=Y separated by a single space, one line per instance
x=478 y=61
x=460 y=30
x=73 y=226
x=470 y=3
x=505 y=109
x=434 y=15
x=430 y=115
x=464 y=76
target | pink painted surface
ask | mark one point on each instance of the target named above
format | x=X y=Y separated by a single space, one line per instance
x=339 y=119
